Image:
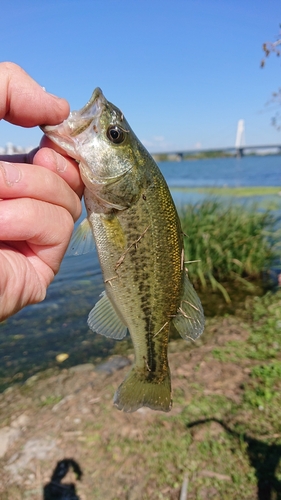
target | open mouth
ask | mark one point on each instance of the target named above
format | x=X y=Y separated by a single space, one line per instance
x=77 y=122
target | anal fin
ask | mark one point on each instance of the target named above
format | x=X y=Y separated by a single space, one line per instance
x=189 y=321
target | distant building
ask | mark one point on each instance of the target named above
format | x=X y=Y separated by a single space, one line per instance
x=11 y=149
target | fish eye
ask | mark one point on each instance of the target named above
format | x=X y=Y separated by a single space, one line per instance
x=115 y=134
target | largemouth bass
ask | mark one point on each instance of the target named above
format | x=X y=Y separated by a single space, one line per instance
x=139 y=242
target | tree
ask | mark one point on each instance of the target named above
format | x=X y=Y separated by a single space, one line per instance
x=273 y=48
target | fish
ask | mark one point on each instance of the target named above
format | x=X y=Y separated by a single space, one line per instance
x=139 y=241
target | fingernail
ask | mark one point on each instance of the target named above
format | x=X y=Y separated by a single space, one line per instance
x=55 y=96
x=52 y=95
x=60 y=161
x=12 y=173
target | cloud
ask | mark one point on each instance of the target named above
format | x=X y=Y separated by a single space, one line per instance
x=157 y=144
x=159 y=138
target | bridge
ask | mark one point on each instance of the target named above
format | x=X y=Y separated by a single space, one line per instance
x=232 y=151
x=239 y=149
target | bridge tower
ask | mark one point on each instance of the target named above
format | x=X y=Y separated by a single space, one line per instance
x=240 y=138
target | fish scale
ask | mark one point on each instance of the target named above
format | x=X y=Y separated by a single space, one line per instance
x=140 y=246
x=147 y=301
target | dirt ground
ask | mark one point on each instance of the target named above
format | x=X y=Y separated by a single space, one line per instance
x=67 y=415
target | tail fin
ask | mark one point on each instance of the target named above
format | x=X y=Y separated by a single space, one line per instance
x=136 y=391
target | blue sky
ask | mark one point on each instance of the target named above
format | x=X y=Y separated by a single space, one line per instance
x=182 y=71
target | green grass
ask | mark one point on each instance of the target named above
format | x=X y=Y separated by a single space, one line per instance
x=231 y=243
x=264 y=342
x=263 y=348
x=234 y=192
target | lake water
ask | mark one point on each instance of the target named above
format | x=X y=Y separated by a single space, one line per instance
x=30 y=340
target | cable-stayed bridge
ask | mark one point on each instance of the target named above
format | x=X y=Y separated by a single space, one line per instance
x=239 y=149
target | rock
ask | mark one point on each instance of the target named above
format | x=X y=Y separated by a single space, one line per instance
x=57 y=406
x=7 y=436
x=35 y=448
x=82 y=368
x=20 y=421
x=113 y=364
x=9 y=389
x=31 y=380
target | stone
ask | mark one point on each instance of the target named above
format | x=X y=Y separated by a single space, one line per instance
x=7 y=436
x=35 y=448
x=31 y=380
x=58 y=405
x=20 y=421
x=113 y=364
x=82 y=368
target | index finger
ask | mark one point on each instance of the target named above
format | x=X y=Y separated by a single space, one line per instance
x=32 y=181
x=24 y=102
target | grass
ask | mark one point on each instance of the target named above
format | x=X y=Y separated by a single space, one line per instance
x=262 y=348
x=264 y=342
x=234 y=192
x=232 y=243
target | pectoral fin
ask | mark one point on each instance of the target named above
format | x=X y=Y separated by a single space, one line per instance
x=103 y=319
x=82 y=240
x=189 y=320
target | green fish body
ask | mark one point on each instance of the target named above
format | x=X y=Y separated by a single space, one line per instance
x=140 y=247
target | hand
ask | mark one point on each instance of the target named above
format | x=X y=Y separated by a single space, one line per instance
x=39 y=196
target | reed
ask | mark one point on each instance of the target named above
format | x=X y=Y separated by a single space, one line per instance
x=229 y=242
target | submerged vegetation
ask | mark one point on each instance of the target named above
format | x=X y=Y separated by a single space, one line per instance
x=227 y=243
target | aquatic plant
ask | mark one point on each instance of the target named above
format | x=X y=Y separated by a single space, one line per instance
x=228 y=243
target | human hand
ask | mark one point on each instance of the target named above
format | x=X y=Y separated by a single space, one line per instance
x=39 y=196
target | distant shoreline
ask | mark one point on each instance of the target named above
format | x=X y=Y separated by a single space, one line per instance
x=205 y=155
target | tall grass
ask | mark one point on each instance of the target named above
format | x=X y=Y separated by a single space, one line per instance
x=230 y=243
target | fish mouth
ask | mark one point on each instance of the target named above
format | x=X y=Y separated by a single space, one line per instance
x=77 y=122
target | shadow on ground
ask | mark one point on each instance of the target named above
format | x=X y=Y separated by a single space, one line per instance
x=55 y=489
x=264 y=458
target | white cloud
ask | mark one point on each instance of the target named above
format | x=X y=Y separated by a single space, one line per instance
x=157 y=144
x=159 y=138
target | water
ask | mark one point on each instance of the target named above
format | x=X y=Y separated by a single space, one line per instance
x=30 y=340
x=247 y=171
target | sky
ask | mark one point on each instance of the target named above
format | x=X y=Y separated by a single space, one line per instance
x=182 y=71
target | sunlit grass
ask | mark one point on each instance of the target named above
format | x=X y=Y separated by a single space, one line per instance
x=229 y=242
x=233 y=192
